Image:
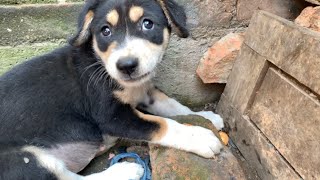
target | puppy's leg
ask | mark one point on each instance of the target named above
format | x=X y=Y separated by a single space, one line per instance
x=55 y=167
x=158 y=103
x=119 y=171
x=164 y=131
x=194 y=139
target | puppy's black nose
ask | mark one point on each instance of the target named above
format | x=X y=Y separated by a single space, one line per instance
x=127 y=65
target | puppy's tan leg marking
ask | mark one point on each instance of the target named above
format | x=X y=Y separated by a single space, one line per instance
x=168 y=107
x=135 y=13
x=113 y=17
x=188 y=138
x=160 y=133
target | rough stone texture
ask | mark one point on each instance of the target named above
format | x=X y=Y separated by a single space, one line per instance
x=301 y=56
x=218 y=61
x=288 y=9
x=273 y=95
x=37 y=23
x=314 y=1
x=168 y=163
x=309 y=18
x=253 y=145
x=283 y=119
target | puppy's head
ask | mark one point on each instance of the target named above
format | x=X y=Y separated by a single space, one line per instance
x=130 y=36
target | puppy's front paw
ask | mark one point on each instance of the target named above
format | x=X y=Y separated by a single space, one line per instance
x=216 y=119
x=194 y=139
x=203 y=142
x=124 y=171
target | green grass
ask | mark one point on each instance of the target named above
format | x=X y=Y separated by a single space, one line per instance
x=11 y=56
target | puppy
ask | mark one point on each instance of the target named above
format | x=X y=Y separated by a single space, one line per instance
x=60 y=110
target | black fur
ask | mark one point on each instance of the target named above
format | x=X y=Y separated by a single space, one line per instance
x=177 y=16
x=18 y=165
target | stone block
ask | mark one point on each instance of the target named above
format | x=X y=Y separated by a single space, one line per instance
x=37 y=23
x=288 y=9
x=282 y=111
x=272 y=96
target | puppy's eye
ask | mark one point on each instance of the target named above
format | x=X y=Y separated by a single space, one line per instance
x=106 y=31
x=147 y=24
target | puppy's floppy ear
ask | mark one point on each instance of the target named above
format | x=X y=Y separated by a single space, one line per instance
x=176 y=16
x=84 y=23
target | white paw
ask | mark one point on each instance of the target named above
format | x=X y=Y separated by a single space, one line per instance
x=202 y=142
x=124 y=171
x=216 y=119
x=194 y=139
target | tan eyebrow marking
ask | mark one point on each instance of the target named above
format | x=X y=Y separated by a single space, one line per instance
x=113 y=17
x=135 y=13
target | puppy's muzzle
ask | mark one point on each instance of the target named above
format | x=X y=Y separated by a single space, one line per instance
x=127 y=65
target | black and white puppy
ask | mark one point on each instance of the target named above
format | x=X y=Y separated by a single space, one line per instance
x=60 y=110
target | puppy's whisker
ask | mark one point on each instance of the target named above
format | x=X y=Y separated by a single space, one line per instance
x=92 y=75
x=88 y=67
x=104 y=77
x=99 y=78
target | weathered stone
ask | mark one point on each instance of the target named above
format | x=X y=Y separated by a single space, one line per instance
x=253 y=145
x=288 y=9
x=314 y=1
x=218 y=61
x=282 y=111
x=309 y=18
x=272 y=95
x=176 y=75
x=293 y=49
x=168 y=163
x=37 y=23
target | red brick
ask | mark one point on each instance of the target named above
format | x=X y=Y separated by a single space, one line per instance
x=314 y=1
x=217 y=62
x=309 y=18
